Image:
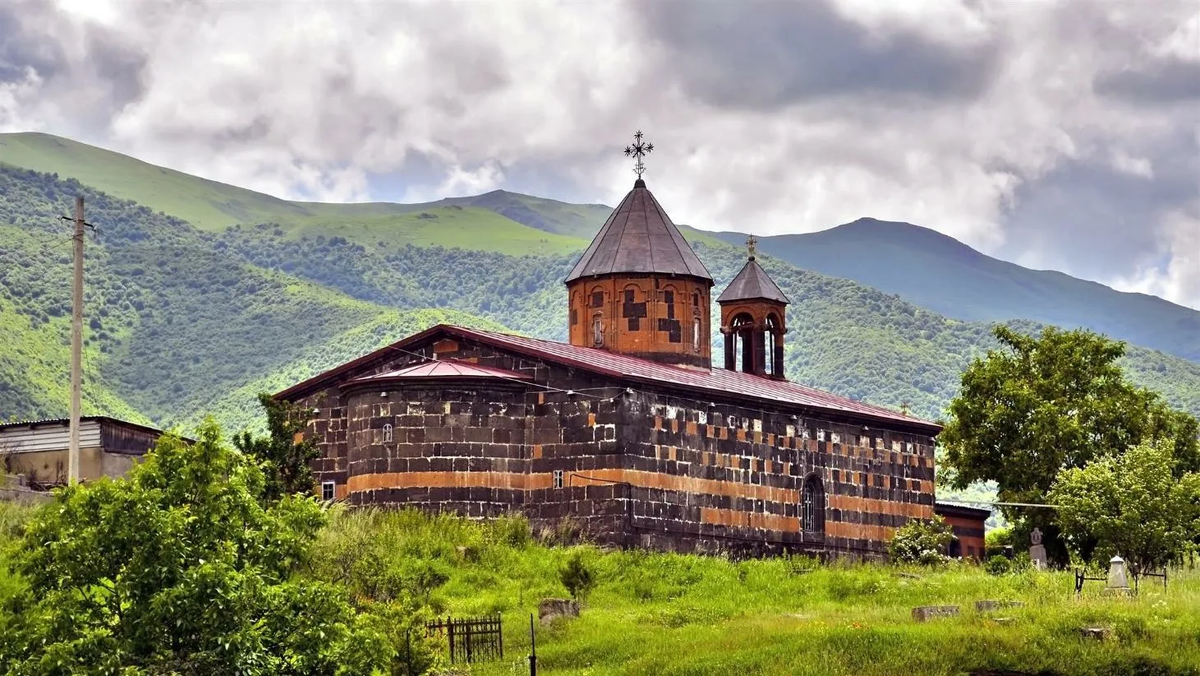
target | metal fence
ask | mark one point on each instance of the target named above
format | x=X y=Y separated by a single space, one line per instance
x=471 y=639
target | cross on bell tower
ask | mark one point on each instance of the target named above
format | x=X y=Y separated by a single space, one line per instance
x=637 y=150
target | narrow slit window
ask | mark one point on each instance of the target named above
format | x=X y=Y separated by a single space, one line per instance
x=387 y=434
x=558 y=478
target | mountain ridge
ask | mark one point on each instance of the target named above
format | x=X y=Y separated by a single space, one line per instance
x=941 y=273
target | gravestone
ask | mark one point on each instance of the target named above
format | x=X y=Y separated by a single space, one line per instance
x=552 y=609
x=1118 y=576
x=1037 y=552
x=989 y=605
x=926 y=613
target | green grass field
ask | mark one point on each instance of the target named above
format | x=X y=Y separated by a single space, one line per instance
x=656 y=613
x=653 y=613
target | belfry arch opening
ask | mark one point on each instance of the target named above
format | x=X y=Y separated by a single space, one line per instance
x=739 y=350
x=773 y=347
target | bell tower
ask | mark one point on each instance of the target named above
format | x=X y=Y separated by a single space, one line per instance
x=639 y=289
x=753 y=320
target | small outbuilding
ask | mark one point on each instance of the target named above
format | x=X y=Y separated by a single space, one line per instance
x=37 y=450
x=967 y=524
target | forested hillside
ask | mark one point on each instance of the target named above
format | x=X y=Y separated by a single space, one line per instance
x=948 y=277
x=184 y=321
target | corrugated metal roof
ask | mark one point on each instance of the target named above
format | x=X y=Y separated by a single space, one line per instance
x=639 y=237
x=715 y=382
x=751 y=283
x=67 y=421
x=445 y=368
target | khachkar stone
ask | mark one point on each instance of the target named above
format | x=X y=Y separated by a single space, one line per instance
x=1037 y=552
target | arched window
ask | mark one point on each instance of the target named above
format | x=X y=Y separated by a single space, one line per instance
x=812 y=506
x=387 y=434
x=598 y=329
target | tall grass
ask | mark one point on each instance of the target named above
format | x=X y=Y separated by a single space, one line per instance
x=661 y=613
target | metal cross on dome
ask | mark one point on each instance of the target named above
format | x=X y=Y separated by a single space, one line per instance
x=752 y=245
x=638 y=150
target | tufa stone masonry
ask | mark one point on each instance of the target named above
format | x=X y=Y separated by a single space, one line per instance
x=627 y=430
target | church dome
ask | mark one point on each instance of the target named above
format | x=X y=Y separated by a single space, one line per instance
x=752 y=283
x=639 y=238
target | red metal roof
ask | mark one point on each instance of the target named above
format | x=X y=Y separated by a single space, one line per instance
x=445 y=368
x=717 y=382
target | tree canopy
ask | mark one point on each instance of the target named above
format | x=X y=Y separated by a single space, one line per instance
x=182 y=567
x=284 y=456
x=1132 y=505
x=1043 y=404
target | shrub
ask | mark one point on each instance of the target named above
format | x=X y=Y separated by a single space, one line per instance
x=996 y=540
x=998 y=565
x=922 y=542
x=576 y=576
x=181 y=567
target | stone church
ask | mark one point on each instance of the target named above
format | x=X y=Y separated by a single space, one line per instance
x=628 y=429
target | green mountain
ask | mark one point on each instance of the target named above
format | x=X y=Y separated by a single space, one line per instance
x=543 y=226
x=946 y=276
x=189 y=318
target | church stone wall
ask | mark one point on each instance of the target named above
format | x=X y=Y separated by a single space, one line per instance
x=479 y=449
x=716 y=477
x=638 y=467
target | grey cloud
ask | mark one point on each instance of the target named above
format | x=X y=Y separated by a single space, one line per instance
x=772 y=53
x=1162 y=81
x=1005 y=136
x=22 y=47
x=1093 y=221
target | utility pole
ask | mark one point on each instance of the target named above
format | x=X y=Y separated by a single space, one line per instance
x=76 y=340
x=76 y=345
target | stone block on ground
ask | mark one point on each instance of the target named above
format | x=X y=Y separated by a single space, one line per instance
x=926 y=613
x=552 y=609
x=1096 y=633
x=988 y=605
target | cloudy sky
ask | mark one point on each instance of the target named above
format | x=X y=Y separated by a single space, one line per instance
x=1054 y=133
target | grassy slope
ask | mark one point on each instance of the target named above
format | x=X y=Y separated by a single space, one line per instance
x=208 y=205
x=465 y=227
x=214 y=206
x=946 y=276
x=675 y=614
x=671 y=614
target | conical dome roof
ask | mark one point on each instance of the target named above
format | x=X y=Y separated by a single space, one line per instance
x=752 y=283
x=639 y=237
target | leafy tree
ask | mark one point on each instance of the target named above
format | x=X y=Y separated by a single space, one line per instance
x=181 y=568
x=284 y=455
x=1132 y=505
x=1040 y=405
x=922 y=542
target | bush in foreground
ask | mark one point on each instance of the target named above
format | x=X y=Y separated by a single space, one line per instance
x=921 y=542
x=181 y=568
